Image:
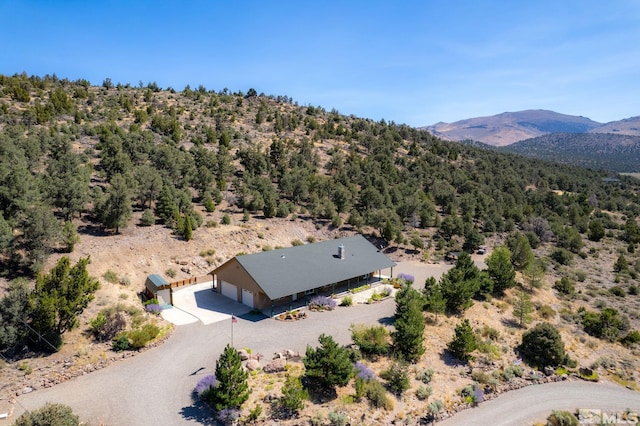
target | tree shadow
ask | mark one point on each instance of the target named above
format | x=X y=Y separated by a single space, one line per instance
x=508 y=322
x=450 y=360
x=93 y=230
x=319 y=394
x=387 y=320
x=198 y=411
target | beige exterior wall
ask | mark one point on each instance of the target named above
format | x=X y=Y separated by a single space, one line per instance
x=233 y=273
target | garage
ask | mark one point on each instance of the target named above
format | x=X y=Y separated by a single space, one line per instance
x=229 y=290
x=247 y=298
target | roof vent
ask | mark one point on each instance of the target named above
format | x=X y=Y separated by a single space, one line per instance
x=341 y=252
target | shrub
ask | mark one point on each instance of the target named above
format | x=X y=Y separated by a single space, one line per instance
x=206 y=384
x=546 y=312
x=296 y=243
x=632 y=338
x=338 y=419
x=226 y=220
x=480 y=376
x=617 y=291
x=107 y=324
x=322 y=303
x=228 y=415
x=50 y=414
x=346 y=301
x=147 y=218
x=377 y=395
x=255 y=412
x=110 y=276
x=120 y=343
x=153 y=308
x=562 y=256
x=397 y=377
x=490 y=332
x=605 y=325
x=512 y=371
x=562 y=418
x=363 y=372
x=435 y=407
x=171 y=273
x=565 y=286
x=426 y=375
x=423 y=392
x=139 y=338
x=381 y=294
x=542 y=346
x=372 y=340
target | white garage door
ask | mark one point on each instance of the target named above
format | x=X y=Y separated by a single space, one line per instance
x=230 y=291
x=247 y=298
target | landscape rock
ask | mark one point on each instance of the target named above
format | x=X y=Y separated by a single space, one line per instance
x=243 y=354
x=252 y=364
x=586 y=371
x=276 y=366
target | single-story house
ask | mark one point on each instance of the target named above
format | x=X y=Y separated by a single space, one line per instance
x=158 y=287
x=276 y=277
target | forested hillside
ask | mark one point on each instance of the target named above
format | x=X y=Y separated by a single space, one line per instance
x=70 y=150
x=608 y=151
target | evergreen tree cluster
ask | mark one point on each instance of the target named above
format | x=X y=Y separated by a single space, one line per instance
x=69 y=149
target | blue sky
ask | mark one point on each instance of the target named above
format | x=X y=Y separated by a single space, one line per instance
x=413 y=62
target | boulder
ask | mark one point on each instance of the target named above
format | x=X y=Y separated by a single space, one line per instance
x=586 y=371
x=244 y=355
x=252 y=364
x=276 y=366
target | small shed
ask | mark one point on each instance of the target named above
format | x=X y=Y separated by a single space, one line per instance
x=157 y=287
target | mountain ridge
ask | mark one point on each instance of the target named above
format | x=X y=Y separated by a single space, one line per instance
x=511 y=127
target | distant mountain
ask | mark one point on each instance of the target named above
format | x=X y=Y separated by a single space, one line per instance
x=509 y=127
x=628 y=126
x=615 y=152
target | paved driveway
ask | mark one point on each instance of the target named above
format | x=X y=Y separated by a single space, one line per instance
x=533 y=404
x=199 y=303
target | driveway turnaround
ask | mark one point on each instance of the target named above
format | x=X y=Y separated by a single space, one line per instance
x=533 y=404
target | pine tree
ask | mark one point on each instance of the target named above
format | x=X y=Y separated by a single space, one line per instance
x=522 y=308
x=329 y=365
x=460 y=284
x=232 y=388
x=464 y=341
x=408 y=336
x=501 y=270
x=294 y=395
x=116 y=210
x=59 y=297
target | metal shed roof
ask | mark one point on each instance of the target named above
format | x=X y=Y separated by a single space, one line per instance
x=284 y=272
x=154 y=281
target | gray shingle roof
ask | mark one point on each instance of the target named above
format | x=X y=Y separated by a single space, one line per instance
x=284 y=272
